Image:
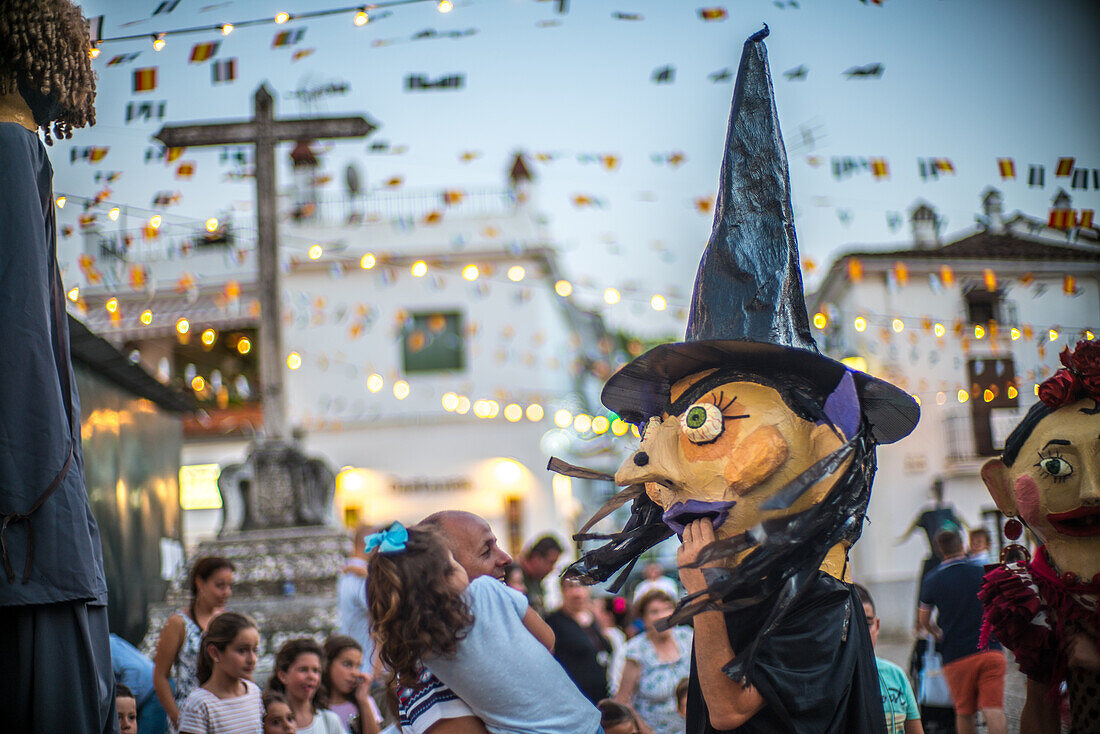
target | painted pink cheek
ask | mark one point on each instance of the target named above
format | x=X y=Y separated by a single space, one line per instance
x=1027 y=500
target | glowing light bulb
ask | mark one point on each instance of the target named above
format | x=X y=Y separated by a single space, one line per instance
x=450 y=402
x=516 y=273
x=619 y=427
x=61 y=202
x=368 y=261
x=146 y=317
x=244 y=345
x=446 y=6
x=419 y=269
x=293 y=360
x=563 y=418
x=820 y=320
x=897 y=325
x=861 y=324
x=1012 y=392
x=94 y=52
x=482 y=409
x=941 y=398
x=227 y=29
x=111 y=305
x=939 y=330
x=988 y=395
x=375 y=382
x=600 y=425
x=281 y=18
x=113 y=214
x=183 y=326
x=158 y=42
x=513 y=413
x=1015 y=334
x=315 y=252
x=1089 y=335
x=154 y=221
x=535 y=412
x=74 y=294
x=563 y=288
x=401 y=389
x=582 y=423
x=463 y=405
x=963 y=396
x=361 y=18
x=979 y=331
x=197 y=383
x=470 y=272
x=211 y=225
x=611 y=296
x=209 y=337
x=1053 y=334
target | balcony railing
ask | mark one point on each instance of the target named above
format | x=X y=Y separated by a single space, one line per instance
x=413 y=207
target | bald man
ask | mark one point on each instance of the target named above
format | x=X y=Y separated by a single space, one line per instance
x=431 y=707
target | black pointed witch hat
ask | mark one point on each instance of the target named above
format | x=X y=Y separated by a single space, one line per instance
x=748 y=310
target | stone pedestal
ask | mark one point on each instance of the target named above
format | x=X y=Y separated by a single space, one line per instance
x=285 y=580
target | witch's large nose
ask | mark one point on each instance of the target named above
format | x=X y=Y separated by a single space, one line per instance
x=654 y=460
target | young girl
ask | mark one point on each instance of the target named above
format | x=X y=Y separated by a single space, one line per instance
x=228 y=702
x=278 y=718
x=481 y=638
x=298 y=666
x=211 y=582
x=348 y=688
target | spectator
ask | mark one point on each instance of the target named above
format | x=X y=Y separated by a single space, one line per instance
x=126 y=705
x=580 y=646
x=655 y=579
x=655 y=662
x=979 y=544
x=352 y=618
x=537 y=562
x=975 y=678
x=513 y=577
x=226 y=701
x=682 y=697
x=604 y=610
x=898 y=701
x=278 y=718
x=348 y=687
x=211 y=582
x=618 y=718
x=135 y=671
x=297 y=675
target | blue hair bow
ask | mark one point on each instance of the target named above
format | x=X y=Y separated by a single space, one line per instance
x=388 y=541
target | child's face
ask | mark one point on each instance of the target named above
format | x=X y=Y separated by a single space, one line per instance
x=279 y=719
x=457 y=576
x=303 y=677
x=127 y=714
x=344 y=671
x=238 y=659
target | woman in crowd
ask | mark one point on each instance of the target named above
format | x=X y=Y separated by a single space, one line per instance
x=655 y=663
x=211 y=582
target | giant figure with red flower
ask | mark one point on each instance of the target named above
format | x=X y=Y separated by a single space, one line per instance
x=1044 y=609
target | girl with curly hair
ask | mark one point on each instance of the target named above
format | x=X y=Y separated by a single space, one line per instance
x=480 y=638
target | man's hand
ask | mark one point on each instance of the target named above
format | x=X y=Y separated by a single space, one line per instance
x=1081 y=652
x=697 y=535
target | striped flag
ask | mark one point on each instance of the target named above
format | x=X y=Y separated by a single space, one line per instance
x=1085 y=220
x=716 y=13
x=1069 y=285
x=167 y=6
x=1064 y=168
x=287 y=38
x=186 y=169
x=123 y=58
x=944 y=165
x=880 y=168
x=947 y=276
x=95 y=29
x=1007 y=168
x=202 y=51
x=1035 y=176
x=173 y=153
x=301 y=54
x=1062 y=219
x=145 y=79
x=1080 y=178
x=855 y=270
x=224 y=70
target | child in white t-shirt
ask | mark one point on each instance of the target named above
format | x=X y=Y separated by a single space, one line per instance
x=227 y=701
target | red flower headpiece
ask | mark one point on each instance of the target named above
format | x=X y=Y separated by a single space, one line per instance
x=1079 y=378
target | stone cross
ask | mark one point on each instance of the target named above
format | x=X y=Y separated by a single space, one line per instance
x=264 y=131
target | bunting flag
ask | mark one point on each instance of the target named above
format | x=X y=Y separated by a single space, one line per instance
x=947 y=276
x=1007 y=168
x=880 y=168
x=145 y=110
x=287 y=38
x=123 y=58
x=223 y=71
x=185 y=169
x=172 y=154
x=944 y=165
x=107 y=176
x=1069 y=285
x=167 y=6
x=145 y=79
x=95 y=29
x=415 y=82
x=301 y=54
x=855 y=270
x=990 y=279
x=92 y=154
x=628 y=16
x=722 y=75
x=663 y=75
x=712 y=14
x=453 y=196
x=1062 y=219
x=1085 y=220
x=166 y=198
x=1080 y=179
x=1035 y=176
x=893 y=221
x=901 y=273
x=203 y=51
x=1064 y=167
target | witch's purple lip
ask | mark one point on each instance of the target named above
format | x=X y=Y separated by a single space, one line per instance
x=680 y=514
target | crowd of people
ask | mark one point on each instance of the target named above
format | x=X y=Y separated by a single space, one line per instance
x=440 y=630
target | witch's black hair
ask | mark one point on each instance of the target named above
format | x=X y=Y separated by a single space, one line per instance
x=1022 y=432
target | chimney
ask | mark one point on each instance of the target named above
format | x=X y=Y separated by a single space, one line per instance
x=993 y=208
x=925 y=232
x=1061 y=200
x=520 y=178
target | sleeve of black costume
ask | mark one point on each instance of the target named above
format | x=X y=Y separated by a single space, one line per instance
x=816 y=671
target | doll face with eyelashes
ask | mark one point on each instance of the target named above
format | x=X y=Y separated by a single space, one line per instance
x=722 y=450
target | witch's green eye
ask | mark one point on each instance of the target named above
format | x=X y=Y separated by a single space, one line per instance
x=702 y=423
x=1056 y=467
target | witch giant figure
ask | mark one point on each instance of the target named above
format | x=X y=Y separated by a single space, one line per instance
x=758 y=452
x=1044 y=609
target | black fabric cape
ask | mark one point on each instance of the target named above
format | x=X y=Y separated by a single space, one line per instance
x=816 y=670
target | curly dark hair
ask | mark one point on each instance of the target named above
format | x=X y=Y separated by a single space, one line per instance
x=45 y=57
x=286 y=657
x=414 y=612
